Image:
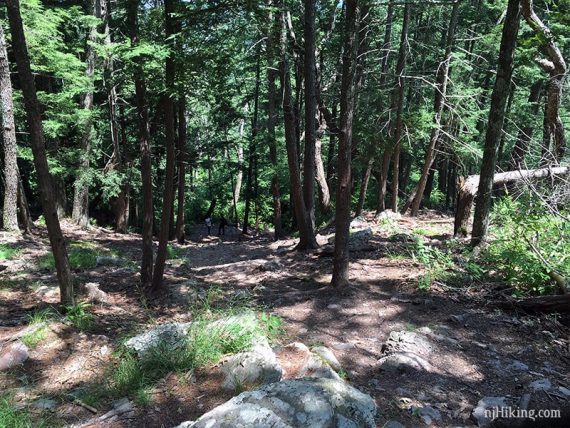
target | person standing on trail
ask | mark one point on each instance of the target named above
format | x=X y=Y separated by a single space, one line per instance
x=223 y=224
x=208 y=222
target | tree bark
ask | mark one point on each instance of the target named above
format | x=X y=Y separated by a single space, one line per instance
x=289 y=120
x=520 y=148
x=554 y=143
x=170 y=150
x=34 y=119
x=496 y=119
x=398 y=101
x=144 y=137
x=272 y=72
x=364 y=187
x=180 y=229
x=340 y=276
x=309 y=164
x=469 y=188
x=541 y=304
x=323 y=187
x=23 y=208
x=11 y=174
x=439 y=103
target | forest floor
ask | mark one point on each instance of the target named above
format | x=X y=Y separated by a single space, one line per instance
x=481 y=351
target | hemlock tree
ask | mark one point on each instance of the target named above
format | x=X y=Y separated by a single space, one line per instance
x=11 y=174
x=495 y=122
x=340 y=276
x=34 y=119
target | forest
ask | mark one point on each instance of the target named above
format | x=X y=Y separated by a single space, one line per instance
x=284 y=213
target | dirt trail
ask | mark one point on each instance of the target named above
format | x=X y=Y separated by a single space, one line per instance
x=475 y=351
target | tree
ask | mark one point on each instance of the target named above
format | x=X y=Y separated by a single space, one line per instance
x=168 y=198
x=144 y=138
x=439 y=103
x=11 y=174
x=34 y=119
x=181 y=169
x=495 y=122
x=340 y=276
x=309 y=164
x=553 y=142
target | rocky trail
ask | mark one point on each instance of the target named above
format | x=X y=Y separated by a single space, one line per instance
x=382 y=353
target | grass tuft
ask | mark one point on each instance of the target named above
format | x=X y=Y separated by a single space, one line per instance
x=8 y=252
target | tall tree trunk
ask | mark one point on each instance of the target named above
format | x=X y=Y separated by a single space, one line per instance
x=23 y=208
x=290 y=121
x=180 y=233
x=309 y=167
x=252 y=145
x=554 y=144
x=34 y=119
x=80 y=210
x=340 y=276
x=272 y=72
x=330 y=150
x=439 y=103
x=11 y=174
x=144 y=137
x=170 y=150
x=123 y=202
x=520 y=148
x=364 y=187
x=496 y=119
x=399 y=104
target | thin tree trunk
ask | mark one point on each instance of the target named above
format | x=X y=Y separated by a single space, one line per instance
x=554 y=143
x=496 y=119
x=180 y=229
x=252 y=145
x=323 y=187
x=364 y=187
x=439 y=103
x=309 y=164
x=170 y=151
x=123 y=202
x=11 y=174
x=399 y=103
x=144 y=137
x=291 y=144
x=520 y=148
x=330 y=150
x=340 y=276
x=23 y=208
x=272 y=38
x=34 y=119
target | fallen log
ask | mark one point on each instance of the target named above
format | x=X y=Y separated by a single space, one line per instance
x=543 y=304
x=468 y=190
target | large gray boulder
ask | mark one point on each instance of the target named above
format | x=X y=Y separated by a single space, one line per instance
x=13 y=355
x=302 y=403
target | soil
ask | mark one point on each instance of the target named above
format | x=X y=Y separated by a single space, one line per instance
x=355 y=323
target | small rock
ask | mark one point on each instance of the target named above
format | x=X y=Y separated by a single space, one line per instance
x=427 y=414
x=328 y=356
x=343 y=346
x=402 y=237
x=108 y=261
x=459 y=319
x=13 y=355
x=540 y=385
x=271 y=266
x=565 y=391
x=95 y=294
x=333 y=306
x=485 y=404
x=517 y=366
x=393 y=424
x=44 y=404
x=388 y=214
x=104 y=350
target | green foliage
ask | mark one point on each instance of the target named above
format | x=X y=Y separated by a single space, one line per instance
x=82 y=255
x=79 y=315
x=8 y=252
x=436 y=263
x=528 y=243
x=31 y=340
x=11 y=417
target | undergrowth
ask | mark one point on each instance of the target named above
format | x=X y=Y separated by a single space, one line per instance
x=7 y=252
x=12 y=417
x=82 y=255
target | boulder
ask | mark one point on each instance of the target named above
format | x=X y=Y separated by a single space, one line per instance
x=303 y=403
x=388 y=214
x=327 y=356
x=13 y=355
x=109 y=261
x=271 y=266
x=405 y=351
x=172 y=335
x=257 y=366
x=358 y=223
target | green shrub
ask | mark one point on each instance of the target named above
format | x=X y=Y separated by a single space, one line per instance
x=80 y=316
x=7 y=252
x=10 y=417
x=436 y=263
x=528 y=243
